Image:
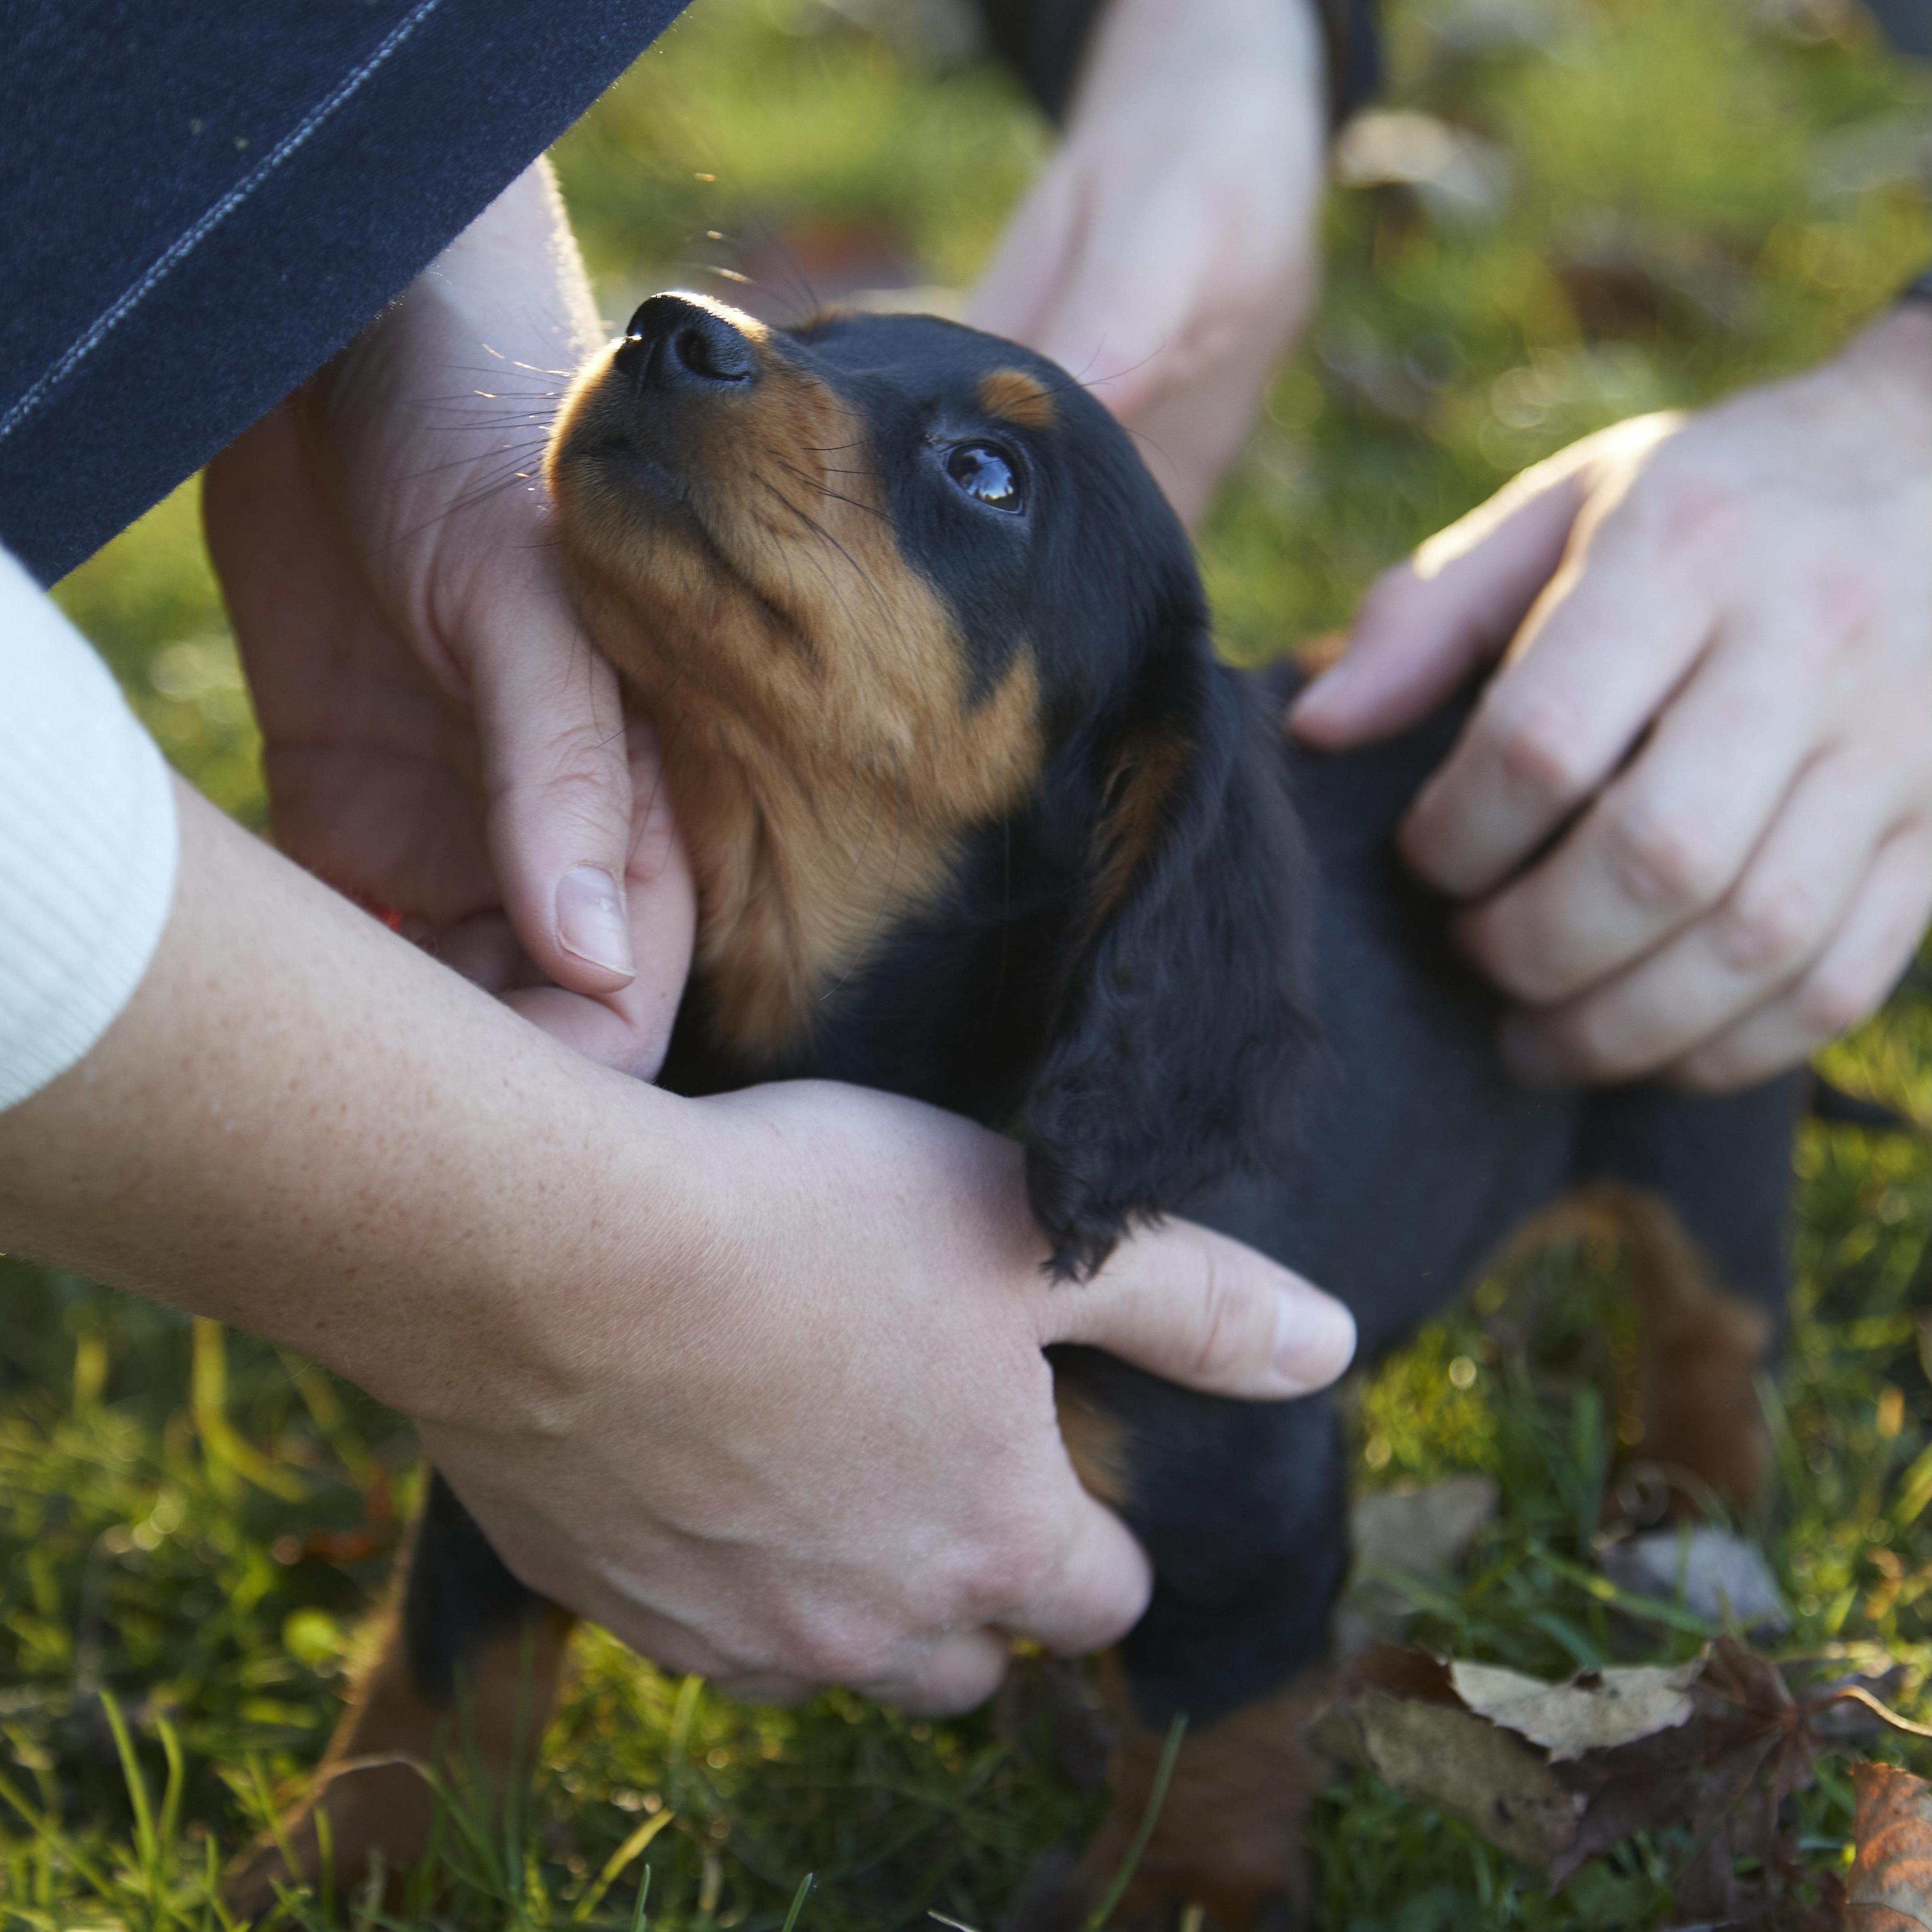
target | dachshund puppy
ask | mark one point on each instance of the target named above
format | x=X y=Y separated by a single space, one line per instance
x=977 y=816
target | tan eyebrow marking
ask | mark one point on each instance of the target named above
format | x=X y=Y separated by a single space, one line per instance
x=1017 y=397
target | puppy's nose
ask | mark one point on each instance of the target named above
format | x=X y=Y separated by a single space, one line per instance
x=673 y=343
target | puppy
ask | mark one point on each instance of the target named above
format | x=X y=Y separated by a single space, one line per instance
x=977 y=816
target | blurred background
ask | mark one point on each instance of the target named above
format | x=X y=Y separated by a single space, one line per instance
x=1562 y=212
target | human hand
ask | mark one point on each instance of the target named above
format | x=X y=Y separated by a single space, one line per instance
x=1718 y=687
x=1166 y=254
x=757 y=1381
x=846 y=1467
x=440 y=736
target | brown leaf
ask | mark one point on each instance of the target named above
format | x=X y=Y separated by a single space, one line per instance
x=1890 y=1886
x=1440 y=1754
x=1555 y=1773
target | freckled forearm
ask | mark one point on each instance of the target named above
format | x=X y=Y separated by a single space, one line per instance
x=301 y=1126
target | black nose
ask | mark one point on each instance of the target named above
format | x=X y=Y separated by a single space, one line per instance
x=673 y=343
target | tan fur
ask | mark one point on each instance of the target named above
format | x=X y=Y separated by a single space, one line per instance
x=371 y=1784
x=1231 y=1835
x=1019 y=397
x=1703 y=1348
x=1097 y=1445
x=1143 y=782
x=822 y=747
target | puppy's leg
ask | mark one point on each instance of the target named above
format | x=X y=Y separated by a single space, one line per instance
x=1699 y=1191
x=1702 y=1350
x=463 y=1685
x=1241 y=1508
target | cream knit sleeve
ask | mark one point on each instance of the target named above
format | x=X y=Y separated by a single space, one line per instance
x=87 y=842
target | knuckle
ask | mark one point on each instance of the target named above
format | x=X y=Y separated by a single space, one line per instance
x=1759 y=932
x=1012 y=1566
x=581 y=769
x=1540 y=752
x=1828 y=1003
x=832 y=1649
x=1224 y=1329
x=1598 y=1044
x=1660 y=863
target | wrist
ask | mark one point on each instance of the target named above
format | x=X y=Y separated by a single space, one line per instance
x=1144 y=46
x=301 y=1126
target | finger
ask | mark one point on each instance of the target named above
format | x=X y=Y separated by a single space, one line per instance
x=1429 y=623
x=556 y=768
x=1795 y=895
x=1095 y=1592
x=629 y=1029
x=1848 y=982
x=957 y=1673
x=1196 y=1308
x=1669 y=837
x=1609 y=638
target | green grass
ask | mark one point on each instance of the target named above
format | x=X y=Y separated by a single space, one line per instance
x=193 y=1528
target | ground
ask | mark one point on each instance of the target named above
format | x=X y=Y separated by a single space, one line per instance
x=1646 y=204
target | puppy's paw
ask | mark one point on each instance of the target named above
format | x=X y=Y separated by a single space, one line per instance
x=1228 y=1851
x=364 y=1810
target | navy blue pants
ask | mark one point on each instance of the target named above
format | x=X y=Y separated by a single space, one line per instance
x=201 y=201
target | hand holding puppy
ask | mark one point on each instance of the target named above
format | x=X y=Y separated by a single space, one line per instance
x=440 y=737
x=1716 y=686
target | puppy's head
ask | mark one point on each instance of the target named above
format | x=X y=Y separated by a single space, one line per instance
x=899 y=594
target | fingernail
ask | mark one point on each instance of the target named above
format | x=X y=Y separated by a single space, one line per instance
x=590 y=920
x=1314 y=1340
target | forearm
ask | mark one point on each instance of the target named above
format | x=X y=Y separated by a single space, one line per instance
x=472 y=361
x=302 y=1125
x=1047 y=43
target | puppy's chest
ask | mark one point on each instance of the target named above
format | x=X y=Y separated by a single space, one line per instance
x=948 y=1004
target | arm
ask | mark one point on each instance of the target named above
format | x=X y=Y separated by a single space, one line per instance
x=1716 y=643
x=440 y=737
x=1166 y=257
x=678 y=1357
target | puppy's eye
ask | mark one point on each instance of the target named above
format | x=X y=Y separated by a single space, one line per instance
x=985 y=471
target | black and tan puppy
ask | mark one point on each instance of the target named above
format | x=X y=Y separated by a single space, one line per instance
x=977 y=816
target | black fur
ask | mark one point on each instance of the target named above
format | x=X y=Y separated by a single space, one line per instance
x=1184 y=1013
x=1151 y=1050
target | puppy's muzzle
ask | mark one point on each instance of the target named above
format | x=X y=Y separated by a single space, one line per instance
x=671 y=344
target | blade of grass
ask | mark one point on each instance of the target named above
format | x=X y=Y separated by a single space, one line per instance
x=615 y=1864
x=1097 y=1918
x=797 y=1903
x=145 y=1849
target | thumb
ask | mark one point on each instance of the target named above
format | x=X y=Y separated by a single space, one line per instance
x=556 y=773
x=1197 y=1308
x=1429 y=623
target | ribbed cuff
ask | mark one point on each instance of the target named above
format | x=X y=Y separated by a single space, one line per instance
x=88 y=843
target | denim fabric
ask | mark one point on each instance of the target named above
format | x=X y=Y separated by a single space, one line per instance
x=201 y=201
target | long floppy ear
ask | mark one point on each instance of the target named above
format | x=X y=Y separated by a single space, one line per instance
x=1184 y=1009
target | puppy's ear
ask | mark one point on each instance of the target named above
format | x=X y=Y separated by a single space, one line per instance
x=1184 y=1007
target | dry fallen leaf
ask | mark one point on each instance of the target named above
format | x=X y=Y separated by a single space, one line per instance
x=1396 y=1534
x=1596 y=1710
x=1889 y=1888
x=1556 y=1773
x=1398 y=1713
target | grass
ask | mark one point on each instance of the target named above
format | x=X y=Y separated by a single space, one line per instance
x=193 y=1525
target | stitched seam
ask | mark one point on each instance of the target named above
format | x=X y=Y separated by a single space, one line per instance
x=185 y=243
